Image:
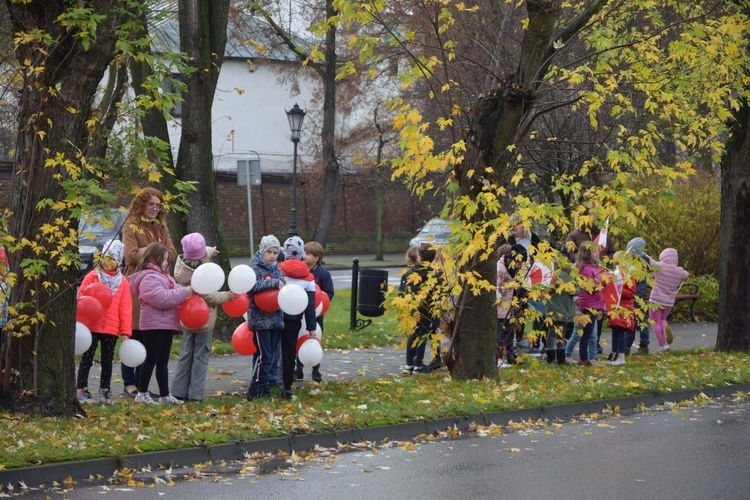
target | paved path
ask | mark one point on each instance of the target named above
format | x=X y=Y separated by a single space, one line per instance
x=230 y=374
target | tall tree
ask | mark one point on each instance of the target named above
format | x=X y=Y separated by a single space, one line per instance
x=203 y=37
x=63 y=50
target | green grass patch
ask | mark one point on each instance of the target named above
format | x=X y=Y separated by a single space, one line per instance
x=127 y=428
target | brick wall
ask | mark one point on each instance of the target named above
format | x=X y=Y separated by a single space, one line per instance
x=354 y=225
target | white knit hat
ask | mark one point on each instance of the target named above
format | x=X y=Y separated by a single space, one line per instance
x=115 y=250
x=268 y=241
x=294 y=248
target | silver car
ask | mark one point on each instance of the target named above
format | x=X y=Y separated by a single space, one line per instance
x=435 y=231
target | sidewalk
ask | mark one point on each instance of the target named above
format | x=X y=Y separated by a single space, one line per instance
x=230 y=374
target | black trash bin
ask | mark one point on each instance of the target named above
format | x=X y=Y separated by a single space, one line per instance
x=373 y=285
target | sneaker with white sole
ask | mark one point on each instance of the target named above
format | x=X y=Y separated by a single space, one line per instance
x=105 y=397
x=501 y=363
x=83 y=396
x=408 y=369
x=618 y=359
x=169 y=400
x=144 y=397
x=663 y=348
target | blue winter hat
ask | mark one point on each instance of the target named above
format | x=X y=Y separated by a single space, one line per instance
x=636 y=245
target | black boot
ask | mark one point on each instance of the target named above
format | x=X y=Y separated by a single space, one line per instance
x=560 y=353
x=551 y=355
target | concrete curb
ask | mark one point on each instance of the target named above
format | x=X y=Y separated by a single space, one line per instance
x=102 y=469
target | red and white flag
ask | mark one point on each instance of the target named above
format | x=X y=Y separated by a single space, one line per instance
x=601 y=238
x=539 y=274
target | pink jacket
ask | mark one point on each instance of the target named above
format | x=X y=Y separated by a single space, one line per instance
x=118 y=318
x=667 y=277
x=591 y=296
x=159 y=297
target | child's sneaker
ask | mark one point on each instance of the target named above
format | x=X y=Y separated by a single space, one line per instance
x=663 y=348
x=83 y=396
x=668 y=332
x=501 y=363
x=408 y=369
x=144 y=397
x=170 y=400
x=570 y=361
x=617 y=360
x=105 y=397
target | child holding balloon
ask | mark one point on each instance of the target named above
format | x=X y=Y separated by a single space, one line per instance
x=296 y=272
x=314 y=261
x=159 y=297
x=265 y=321
x=195 y=350
x=105 y=278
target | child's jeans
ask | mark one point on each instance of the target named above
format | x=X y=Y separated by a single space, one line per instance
x=587 y=349
x=659 y=317
x=415 y=347
x=572 y=342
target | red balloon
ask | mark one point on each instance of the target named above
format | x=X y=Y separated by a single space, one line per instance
x=242 y=340
x=319 y=295
x=237 y=306
x=326 y=304
x=301 y=340
x=89 y=311
x=267 y=301
x=100 y=292
x=194 y=312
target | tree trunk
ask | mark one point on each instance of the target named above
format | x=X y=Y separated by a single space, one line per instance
x=154 y=124
x=56 y=102
x=734 y=293
x=332 y=176
x=203 y=37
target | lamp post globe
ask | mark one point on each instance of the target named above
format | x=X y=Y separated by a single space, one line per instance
x=296 y=116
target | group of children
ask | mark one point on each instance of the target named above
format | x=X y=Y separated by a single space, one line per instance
x=574 y=310
x=159 y=295
x=276 y=333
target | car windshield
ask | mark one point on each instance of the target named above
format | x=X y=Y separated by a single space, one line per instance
x=435 y=226
x=97 y=224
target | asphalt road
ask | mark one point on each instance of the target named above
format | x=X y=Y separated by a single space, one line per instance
x=681 y=453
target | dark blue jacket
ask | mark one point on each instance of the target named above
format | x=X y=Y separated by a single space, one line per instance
x=267 y=277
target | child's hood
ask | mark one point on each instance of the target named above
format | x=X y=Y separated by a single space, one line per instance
x=669 y=256
x=296 y=269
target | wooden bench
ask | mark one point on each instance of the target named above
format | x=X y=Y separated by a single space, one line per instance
x=692 y=294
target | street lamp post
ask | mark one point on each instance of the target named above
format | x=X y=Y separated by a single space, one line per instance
x=295 y=116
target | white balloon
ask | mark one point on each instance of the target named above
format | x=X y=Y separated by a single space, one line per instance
x=310 y=353
x=207 y=278
x=241 y=279
x=132 y=353
x=83 y=338
x=292 y=299
x=303 y=331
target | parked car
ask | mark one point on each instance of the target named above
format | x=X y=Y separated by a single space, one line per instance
x=94 y=230
x=435 y=231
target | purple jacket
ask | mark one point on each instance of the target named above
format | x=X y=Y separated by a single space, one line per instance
x=591 y=295
x=159 y=297
x=667 y=277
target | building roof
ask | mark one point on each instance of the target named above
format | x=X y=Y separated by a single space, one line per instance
x=248 y=36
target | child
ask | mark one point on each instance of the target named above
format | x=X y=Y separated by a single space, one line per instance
x=295 y=272
x=314 y=261
x=667 y=278
x=561 y=310
x=159 y=298
x=195 y=350
x=637 y=246
x=510 y=260
x=620 y=316
x=590 y=300
x=4 y=290
x=116 y=320
x=429 y=320
x=266 y=326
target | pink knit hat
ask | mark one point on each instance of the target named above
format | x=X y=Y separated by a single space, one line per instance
x=194 y=246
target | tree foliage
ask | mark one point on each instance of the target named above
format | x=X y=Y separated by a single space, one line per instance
x=656 y=82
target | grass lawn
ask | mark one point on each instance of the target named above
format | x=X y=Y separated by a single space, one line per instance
x=126 y=428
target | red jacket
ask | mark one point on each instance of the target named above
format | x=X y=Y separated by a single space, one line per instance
x=623 y=315
x=118 y=318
